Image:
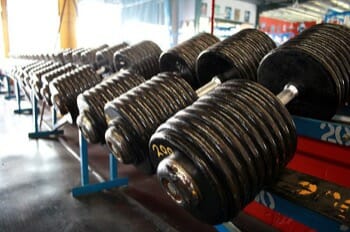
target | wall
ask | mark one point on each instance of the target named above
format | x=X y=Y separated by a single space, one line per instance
x=233 y=10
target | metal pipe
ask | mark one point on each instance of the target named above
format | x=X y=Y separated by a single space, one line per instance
x=208 y=87
x=288 y=93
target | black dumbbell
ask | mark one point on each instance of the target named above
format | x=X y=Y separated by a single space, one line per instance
x=36 y=78
x=89 y=56
x=91 y=120
x=26 y=76
x=142 y=58
x=104 y=57
x=141 y=62
x=134 y=116
x=66 y=88
x=48 y=77
x=221 y=151
x=318 y=69
x=182 y=58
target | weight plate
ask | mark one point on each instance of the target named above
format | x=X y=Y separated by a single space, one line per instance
x=317 y=96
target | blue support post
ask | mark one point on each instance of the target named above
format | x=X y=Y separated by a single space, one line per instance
x=19 y=109
x=84 y=162
x=86 y=187
x=113 y=167
x=37 y=133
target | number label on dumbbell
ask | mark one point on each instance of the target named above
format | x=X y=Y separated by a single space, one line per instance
x=336 y=134
x=161 y=150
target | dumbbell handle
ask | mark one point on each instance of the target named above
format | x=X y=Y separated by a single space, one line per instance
x=208 y=87
x=288 y=93
x=285 y=96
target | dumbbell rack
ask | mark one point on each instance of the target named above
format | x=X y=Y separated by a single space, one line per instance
x=34 y=110
x=86 y=187
x=321 y=217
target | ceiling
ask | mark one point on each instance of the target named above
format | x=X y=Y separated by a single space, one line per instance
x=300 y=10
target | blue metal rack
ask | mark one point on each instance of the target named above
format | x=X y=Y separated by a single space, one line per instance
x=86 y=187
x=37 y=132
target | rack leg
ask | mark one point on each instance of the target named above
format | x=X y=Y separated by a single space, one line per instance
x=19 y=109
x=37 y=133
x=87 y=188
x=113 y=167
x=84 y=160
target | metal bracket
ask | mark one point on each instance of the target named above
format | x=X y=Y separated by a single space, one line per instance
x=86 y=187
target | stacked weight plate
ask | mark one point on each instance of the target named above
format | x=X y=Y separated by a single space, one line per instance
x=26 y=77
x=182 y=58
x=240 y=53
x=224 y=149
x=36 y=78
x=89 y=56
x=66 y=88
x=104 y=57
x=91 y=120
x=139 y=157
x=134 y=116
x=19 y=72
x=317 y=63
x=141 y=58
x=48 y=77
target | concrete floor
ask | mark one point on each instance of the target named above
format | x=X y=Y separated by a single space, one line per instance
x=36 y=177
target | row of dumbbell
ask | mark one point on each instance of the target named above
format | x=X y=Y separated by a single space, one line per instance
x=219 y=150
x=215 y=148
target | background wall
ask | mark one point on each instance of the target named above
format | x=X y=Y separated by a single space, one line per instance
x=235 y=10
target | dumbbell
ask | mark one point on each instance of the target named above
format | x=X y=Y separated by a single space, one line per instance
x=91 y=119
x=182 y=58
x=20 y=71
x=142 y=58
x=76 y=55
x=48 y=77
x=26 y=76
x=141 y=62
x=222 y=150
x=89 y=56
x=135 y=115
x=319 y=70
x=36 y=78
x=104 y=57
x=67 y=55
x=66 y=88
